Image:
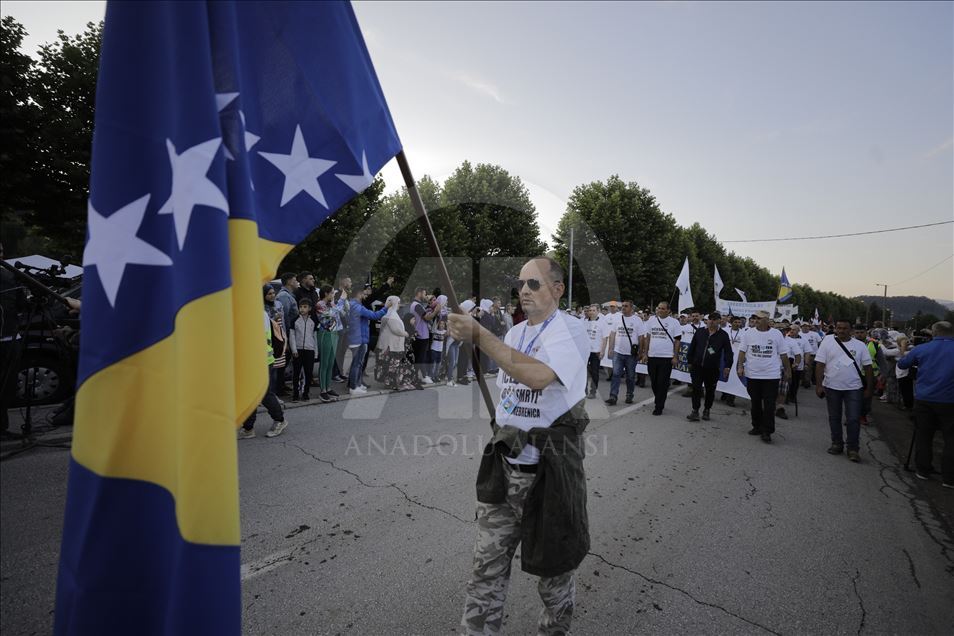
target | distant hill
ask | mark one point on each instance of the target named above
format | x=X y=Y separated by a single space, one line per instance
x=947 y=303
x=905 y=307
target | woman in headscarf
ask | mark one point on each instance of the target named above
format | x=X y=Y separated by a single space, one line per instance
x=439 y=342
x=279 y=339
x=397 y=372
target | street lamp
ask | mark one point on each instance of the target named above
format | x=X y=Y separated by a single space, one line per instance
x=884 y=304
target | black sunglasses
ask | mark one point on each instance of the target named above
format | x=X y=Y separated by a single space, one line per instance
x=532 y=283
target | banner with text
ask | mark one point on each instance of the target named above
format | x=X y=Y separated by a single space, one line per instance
x=739 y=308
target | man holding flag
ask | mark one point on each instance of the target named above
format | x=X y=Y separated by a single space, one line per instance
x=208 y=167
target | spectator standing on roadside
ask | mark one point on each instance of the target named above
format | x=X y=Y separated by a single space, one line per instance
x=421 y=343
x=303 y=342
x=329 y=314
x=270 y=400
x=489 y=322
x=306 y=289
x=359 y=337
x=286 y=297
x=934 y=400
x=344 y=291
x=840 y=380
x=861 y=335
x=276 y=315
x=906 y=376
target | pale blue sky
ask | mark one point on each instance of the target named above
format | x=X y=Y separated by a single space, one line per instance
x=754 y=119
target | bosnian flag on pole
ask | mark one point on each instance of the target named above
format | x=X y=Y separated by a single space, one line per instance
x=225 y=132
x=784 y=288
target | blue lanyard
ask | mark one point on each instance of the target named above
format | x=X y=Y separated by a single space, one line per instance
x=524 y=333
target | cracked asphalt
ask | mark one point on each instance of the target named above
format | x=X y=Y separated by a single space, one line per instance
x=359 y=520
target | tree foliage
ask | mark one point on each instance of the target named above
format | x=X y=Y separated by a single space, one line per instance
x=479 y=214
x=47 y=131
x=646 y=248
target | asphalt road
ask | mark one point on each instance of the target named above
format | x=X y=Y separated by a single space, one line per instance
x=359 y=520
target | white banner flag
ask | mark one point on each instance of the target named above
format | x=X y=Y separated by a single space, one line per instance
x=682 y=284
x=717 y=284
x=741 y=295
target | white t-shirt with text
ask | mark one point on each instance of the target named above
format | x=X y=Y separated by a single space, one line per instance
x=634 y=326
x=796 y=347
x=595 y=332
x=763 y=351
x=564 y=347
x=661 y=333
x=841 y=374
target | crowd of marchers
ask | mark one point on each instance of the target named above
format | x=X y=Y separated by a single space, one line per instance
x=323 y=337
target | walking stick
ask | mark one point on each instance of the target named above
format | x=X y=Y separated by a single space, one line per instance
x=907 y=462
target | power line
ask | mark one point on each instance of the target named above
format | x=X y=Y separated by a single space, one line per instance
x=826 y=236
x=947 y=258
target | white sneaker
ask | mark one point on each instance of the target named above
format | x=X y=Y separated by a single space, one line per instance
x=427 y=380
x=358 y=390
x=451 y=383
x=365 y=387
x=246 y=434
x=276 y=429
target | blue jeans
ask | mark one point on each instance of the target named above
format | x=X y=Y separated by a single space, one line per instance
x=621 y=363
x=851 y=402
x=435 y=364
x=356 y=374
x=453 y=350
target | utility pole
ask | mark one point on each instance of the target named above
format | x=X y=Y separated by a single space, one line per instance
x=884 y=304
x=570 y=298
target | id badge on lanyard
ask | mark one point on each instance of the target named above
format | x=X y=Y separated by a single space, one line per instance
x=509 y=402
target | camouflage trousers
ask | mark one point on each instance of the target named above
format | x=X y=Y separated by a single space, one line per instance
x=498 y=534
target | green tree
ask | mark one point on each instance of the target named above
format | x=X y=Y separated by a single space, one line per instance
x=50 y=134
x=405 y=243
x=17 y=124
x=642 y=242
x=323 y=250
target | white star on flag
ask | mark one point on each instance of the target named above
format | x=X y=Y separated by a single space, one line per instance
x=191 y=186
x=358 y=182
x=224 y=99
x=113 y=245
x=301 y=171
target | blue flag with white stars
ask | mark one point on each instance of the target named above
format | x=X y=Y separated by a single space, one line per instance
x=225 y=132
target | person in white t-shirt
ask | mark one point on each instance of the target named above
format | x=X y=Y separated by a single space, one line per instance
x=610 y=322
x=796 y=357
x=840 y=363
x=762 y=349
x=597 y=337
x=660 y=351
x=812 y=340
x=542 y=377
x=623 y=345
x=734 y=329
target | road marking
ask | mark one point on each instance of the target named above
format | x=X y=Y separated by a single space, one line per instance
x=633 y=407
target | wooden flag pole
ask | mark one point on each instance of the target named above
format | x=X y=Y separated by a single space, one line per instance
x=442 y=272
